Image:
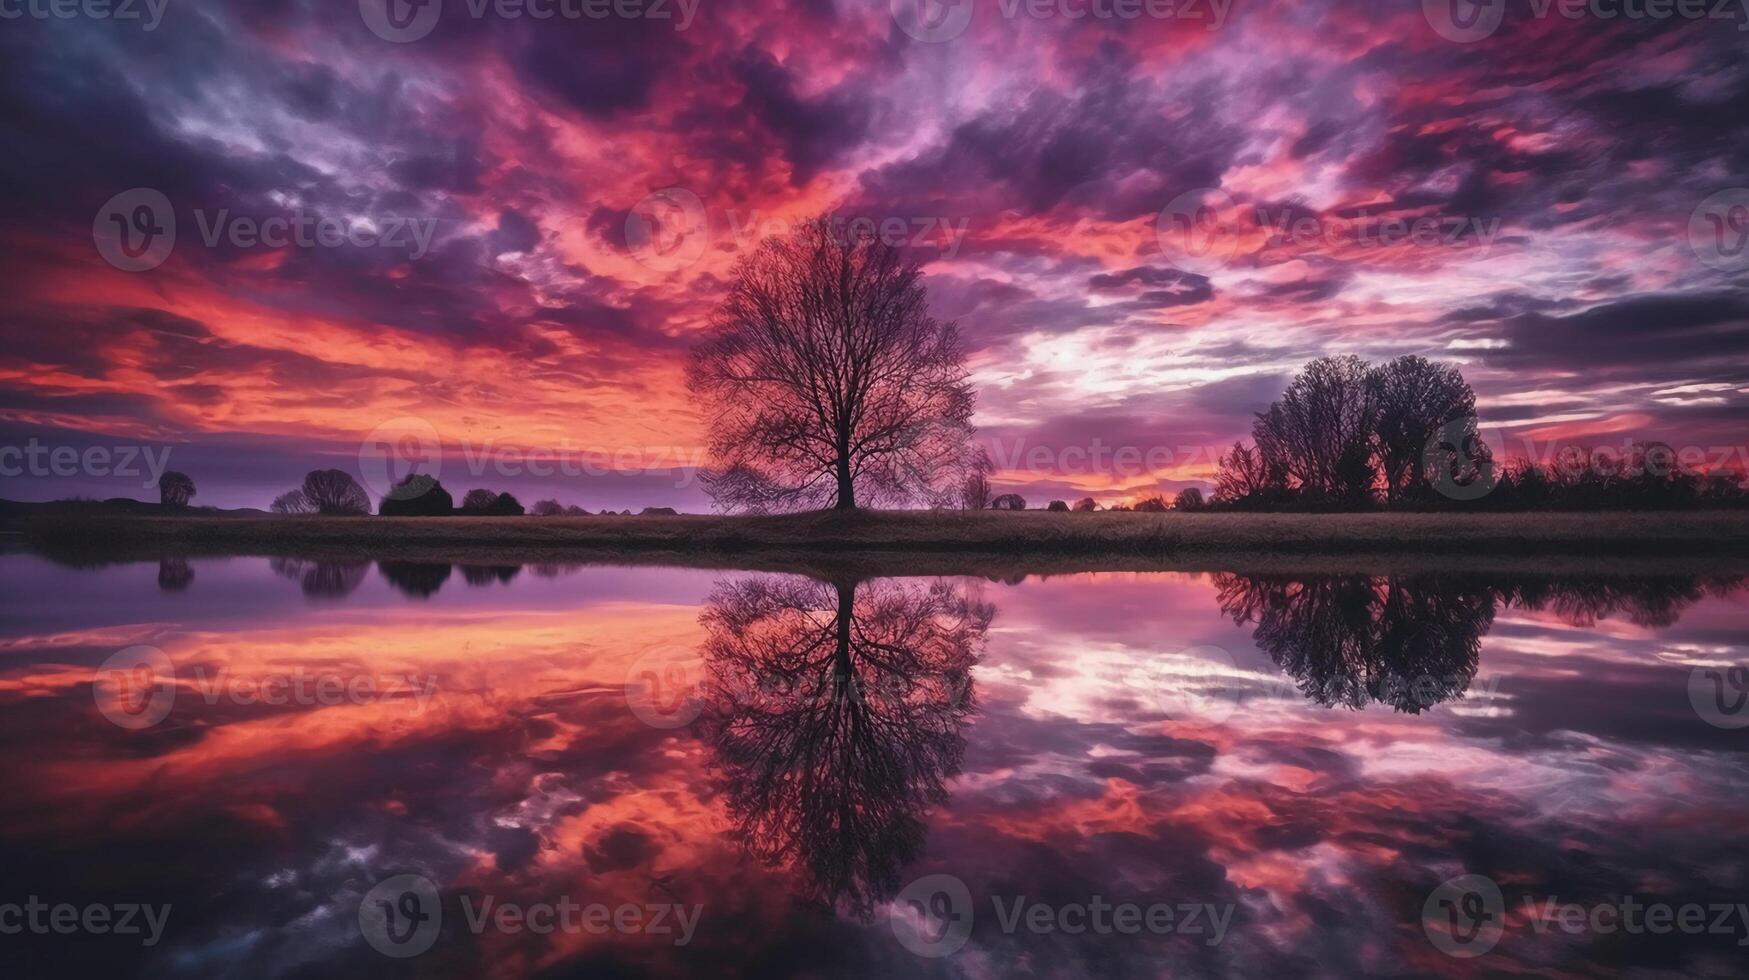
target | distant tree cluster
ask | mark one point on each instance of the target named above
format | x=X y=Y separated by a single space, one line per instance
x=1347 y=435
x=335 y=493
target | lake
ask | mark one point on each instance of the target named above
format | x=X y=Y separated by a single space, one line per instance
x=257 y=768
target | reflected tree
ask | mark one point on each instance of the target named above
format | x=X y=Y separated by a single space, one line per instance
x=835 y=712
x=1652 y=601
x=488 y=574
x=419 y=579
x=1356 y=640
x=322 y=579
x=174 y=574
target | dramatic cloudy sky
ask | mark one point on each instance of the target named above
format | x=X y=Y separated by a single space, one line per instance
x=1557 y=165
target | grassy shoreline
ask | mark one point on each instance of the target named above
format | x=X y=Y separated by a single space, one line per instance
x=911 y=542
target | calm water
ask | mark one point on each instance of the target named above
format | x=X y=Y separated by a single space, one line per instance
x=383 y=769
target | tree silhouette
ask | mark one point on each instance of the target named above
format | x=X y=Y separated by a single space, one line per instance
x=322 y=579
x=975 y=489
x=1414 y=398
x=417 y=495
x=835 y=712
x=825 y=380
x=1320 y=432
x=335 y=493
x=1008 y=501
x=1354 y=640
x=174 y=574
x=478 y=501
x=419 y=579
x=175 y=489
x=293 y=502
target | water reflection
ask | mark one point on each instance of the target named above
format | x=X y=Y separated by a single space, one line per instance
x=1412 y=642
x=419 y=579
x=174 y=574
x=322 y=580
x=835 y=712
x=486 y=738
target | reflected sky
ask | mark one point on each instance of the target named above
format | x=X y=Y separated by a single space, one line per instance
x=1312 y=757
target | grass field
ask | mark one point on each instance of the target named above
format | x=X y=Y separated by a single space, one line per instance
x=982 y=542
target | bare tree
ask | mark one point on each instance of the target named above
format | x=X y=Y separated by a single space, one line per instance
x=975 y=491
x=1244 y=476
x=335 y=493
x=1320 y=432
x=1414 y=398
x=175 y=489
x=293 y=502
x=825 y=380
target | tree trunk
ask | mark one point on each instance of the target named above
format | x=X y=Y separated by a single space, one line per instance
x=846 y=487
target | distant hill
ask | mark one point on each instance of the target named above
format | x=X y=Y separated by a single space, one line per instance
x=12 y=511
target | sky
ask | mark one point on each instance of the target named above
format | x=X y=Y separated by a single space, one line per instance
x=497 y=234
